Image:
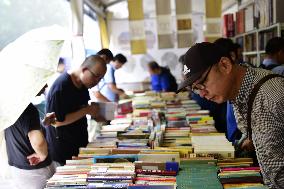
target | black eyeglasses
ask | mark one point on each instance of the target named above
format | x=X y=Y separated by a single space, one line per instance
x=94 y=74
x=200 y=86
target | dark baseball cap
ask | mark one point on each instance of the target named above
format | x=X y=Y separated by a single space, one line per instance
x=198 y=59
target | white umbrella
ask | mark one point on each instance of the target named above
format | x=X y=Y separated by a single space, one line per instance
x=26 y=65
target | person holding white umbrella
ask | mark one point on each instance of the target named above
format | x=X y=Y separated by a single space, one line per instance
x=27 y=150
x=37 y=55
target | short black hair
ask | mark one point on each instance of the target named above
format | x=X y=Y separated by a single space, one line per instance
x=237 y=46
x=153 y=65
x=107 y=53
x=121 y=58
x=274 y=45
x=227 y=44
x=61 y=61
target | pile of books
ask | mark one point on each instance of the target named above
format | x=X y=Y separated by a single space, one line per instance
x=70 y=176
x=145 y=149
x=190 y=105
x=182 y=95
x=111 y=175
x=212 y=145
x=67 y=180
x=142 y=102
x=200 y=121
x=239 y=173
x=124 y=106
x=113 y=168
x=177 y=130
x=158 y=104
x=168 y=96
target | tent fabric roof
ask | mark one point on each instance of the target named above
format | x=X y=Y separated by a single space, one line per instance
x=106 y=3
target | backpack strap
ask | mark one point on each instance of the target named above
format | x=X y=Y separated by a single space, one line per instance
x=252 y=96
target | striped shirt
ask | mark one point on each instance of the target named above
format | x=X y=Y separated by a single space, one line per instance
x=267 y=123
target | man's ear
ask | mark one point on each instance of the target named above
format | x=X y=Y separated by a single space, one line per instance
x=225 y=65
x=84 y=69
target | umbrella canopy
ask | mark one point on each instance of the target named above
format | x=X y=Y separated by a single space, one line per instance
x=26 y=65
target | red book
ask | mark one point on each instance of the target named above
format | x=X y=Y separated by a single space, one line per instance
x=240 y=21
x=241 y=169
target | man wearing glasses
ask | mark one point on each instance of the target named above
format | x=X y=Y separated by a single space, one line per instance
x=210 y=72
x=68 y=97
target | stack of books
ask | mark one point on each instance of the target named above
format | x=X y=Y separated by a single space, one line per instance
x=133 y=143
x=89 y=152
x=176 y=119
x=70 y=176
x=103 y=143
x=157 y=104
x=142 y=102
x=190 y=105
x=124 y=106
x=239 y=173
x=160 y=171
x=212 y=145
x=168 y=96
x=177 y=130
x=67 y=181
x=111 y=175
x=182 y=95
x=200 y=122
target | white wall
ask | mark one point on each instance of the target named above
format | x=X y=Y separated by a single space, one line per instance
x=135 y=68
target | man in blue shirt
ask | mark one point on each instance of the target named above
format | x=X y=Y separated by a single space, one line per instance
x=275 y=56
x=161 y=78
x=107 y=86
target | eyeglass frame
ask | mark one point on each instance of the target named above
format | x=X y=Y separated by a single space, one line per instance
x=195 y=89
x=93 y=74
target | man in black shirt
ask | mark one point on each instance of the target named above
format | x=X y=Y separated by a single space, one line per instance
x=68 y=97
x=27 y=151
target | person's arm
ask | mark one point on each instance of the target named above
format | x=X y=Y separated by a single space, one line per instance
x=74 y=116
x=116 y=90
x=100 y=97
x=39 y=145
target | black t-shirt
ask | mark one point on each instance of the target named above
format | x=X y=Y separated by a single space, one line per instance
x=18 y=143
x=64 y=98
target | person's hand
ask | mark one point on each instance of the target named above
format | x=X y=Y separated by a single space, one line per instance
x=49 y=119
x=99 y=118
x=35 y=158
x=247 y=145
x=93 y=109
x=123 y=96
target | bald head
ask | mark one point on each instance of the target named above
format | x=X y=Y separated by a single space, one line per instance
x=92 y=60
x=93 y=70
